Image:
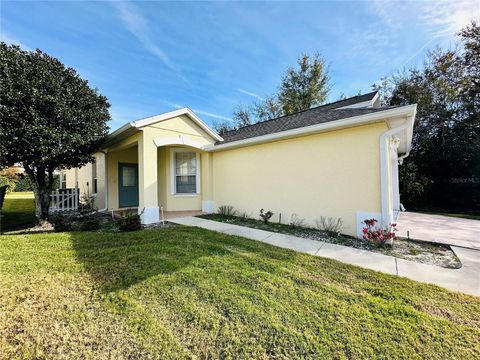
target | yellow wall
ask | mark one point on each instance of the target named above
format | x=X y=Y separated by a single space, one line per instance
x=170 y=129
x=181 y=125
x=172 y=202
x=330 y=174
x=163 y=186
x=85 y=180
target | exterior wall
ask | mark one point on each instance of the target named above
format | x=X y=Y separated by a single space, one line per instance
x=85 y=180
x=163 y=187
x=172 y=130
x=389 y=183
x=330 y=174
x=176 y=127
x=166 y=197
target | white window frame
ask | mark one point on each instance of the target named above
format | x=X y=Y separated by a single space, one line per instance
x=173 y=183
x=63 y=179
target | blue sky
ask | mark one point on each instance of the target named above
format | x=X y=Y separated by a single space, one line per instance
x=153 y=57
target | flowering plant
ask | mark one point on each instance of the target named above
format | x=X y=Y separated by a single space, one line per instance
x=376 y=235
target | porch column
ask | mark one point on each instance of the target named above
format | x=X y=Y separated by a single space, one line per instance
x=208 y=204
x=147 y=180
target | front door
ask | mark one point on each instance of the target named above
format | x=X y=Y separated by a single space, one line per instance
x=127 y=185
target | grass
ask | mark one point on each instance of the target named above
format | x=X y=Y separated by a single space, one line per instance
x=183 y=292
x=18 y=211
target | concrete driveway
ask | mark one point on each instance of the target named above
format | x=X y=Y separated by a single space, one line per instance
x=440 y=229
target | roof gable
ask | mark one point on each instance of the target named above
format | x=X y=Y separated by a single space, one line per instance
x=176 y=113
x=134 y=126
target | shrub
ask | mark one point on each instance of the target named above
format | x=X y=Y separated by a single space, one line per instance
x=23 y=184
x=87 y=204
x=9 y=177
x=227 y=210
x=60 y=222
x=266 y=216
x=378 y=236
x=91 y=223
x=330 y=225
x=130 y=221
x=296 y=221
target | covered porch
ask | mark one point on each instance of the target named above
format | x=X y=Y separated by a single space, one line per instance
x=152 y=176
x=160 y=162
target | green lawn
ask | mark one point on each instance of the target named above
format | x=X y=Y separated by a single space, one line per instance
x=191 y=293
x=18 y=211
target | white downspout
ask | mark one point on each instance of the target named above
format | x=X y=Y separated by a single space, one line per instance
x=400 y=159
x=384 y=158
x=106 y=181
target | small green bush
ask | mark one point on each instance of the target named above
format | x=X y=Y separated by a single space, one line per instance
x=130 y=221
x=266 y=216
x=23 y=184
x=9 y=183
x=60 y=223
x=89 y=224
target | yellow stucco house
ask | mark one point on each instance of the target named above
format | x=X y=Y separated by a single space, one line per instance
x=336 y=160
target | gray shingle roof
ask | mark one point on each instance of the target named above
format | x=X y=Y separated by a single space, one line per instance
x=317 y=115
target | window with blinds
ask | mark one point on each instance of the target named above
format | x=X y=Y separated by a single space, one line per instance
x=185 y=173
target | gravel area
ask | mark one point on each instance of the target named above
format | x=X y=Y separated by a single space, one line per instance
x=422 y=252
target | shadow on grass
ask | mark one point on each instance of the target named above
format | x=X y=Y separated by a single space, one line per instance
x=17 y=214
x=117 y=261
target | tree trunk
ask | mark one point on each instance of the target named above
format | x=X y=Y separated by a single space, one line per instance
x=42 y=186
x=42 y=203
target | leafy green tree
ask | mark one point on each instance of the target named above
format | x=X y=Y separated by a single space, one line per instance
x=446 y=140
x=305 y=86
x=270 y=108
x=50 y=118
x=301 y=88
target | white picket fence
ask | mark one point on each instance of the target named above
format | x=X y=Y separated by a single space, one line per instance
x=64 y=199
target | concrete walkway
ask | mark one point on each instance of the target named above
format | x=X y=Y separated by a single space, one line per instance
x=466 y=279
x=440 y=229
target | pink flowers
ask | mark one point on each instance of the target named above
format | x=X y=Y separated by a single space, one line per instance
x=376 y=235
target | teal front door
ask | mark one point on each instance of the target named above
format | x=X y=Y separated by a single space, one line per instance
x=127 y=185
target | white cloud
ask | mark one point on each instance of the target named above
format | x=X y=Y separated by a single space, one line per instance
x=442 y=18
x=249 y=93
x=6 y=38
x=212 y=115
x=137 y=24
x=201 y=112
